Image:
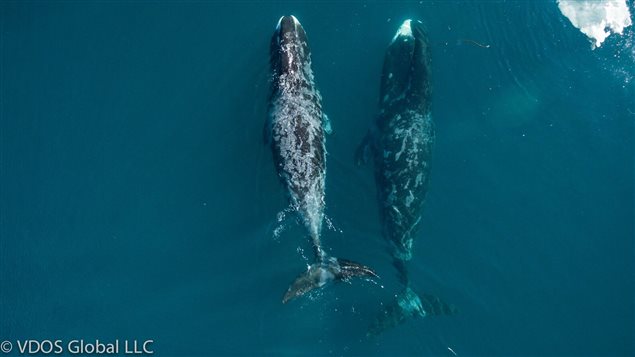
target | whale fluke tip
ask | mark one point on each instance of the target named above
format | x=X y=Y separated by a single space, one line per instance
x=408 y=304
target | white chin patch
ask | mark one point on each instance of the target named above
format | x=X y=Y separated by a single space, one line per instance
x=295 y=22
x=279 y=21
x=404 y=30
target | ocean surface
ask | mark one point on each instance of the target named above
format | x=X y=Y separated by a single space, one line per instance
x=138 y=201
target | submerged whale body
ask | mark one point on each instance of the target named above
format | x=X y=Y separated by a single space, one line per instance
x=400 y=143
x=295 y=130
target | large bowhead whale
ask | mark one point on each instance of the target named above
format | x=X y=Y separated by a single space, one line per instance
x=400 y=142
x=295 y=131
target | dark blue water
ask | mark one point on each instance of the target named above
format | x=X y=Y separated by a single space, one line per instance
x=138 y=200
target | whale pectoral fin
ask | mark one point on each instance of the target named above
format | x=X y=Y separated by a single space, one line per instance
x=326 y=124
x=363 y=151
x=406 y=305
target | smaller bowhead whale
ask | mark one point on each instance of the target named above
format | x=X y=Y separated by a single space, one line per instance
x=400 y=143
x=295 y=129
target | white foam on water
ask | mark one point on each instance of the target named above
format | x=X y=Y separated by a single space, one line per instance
x=597 y=19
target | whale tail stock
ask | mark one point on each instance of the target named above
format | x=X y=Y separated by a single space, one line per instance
x=323 y=271
x=407 y=304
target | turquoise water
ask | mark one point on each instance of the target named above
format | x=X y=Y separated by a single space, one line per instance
x=139 y=202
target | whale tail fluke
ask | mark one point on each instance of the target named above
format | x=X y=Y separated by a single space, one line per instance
x=408 y=304
x=323 y=272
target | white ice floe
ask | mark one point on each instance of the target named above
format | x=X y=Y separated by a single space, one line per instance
x=597 y=19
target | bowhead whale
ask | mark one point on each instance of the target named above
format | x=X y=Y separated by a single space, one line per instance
x=400 y=143
x=295 y=129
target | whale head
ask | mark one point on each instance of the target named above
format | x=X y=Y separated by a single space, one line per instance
x=289 y=47
x=406 y=64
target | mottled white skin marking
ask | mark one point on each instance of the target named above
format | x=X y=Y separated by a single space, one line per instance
x=402 y=176
x=297 y=130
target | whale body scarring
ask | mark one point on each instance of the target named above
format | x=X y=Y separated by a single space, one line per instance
x=296 y=129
